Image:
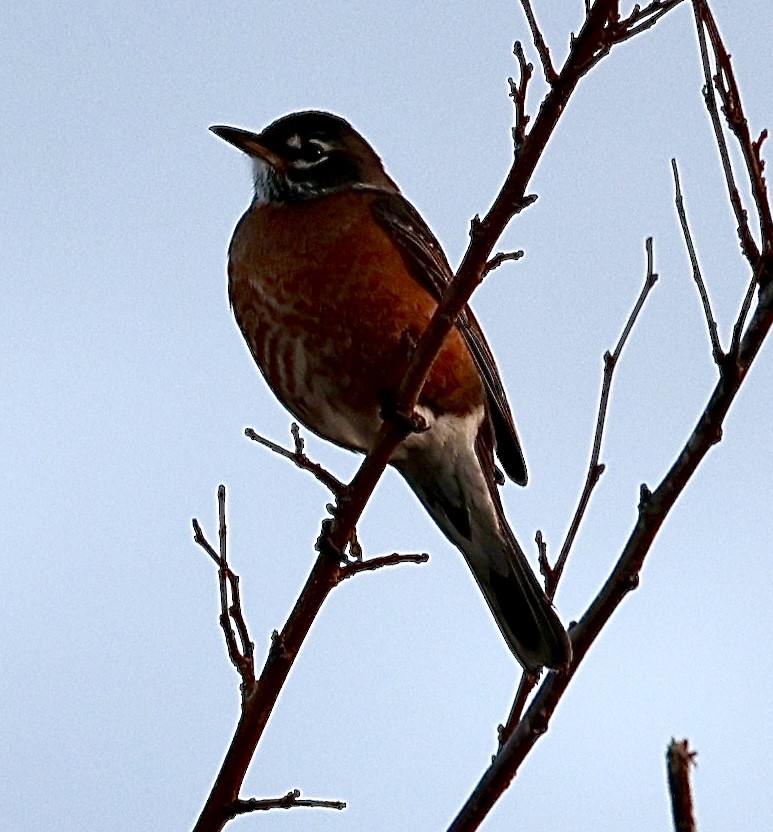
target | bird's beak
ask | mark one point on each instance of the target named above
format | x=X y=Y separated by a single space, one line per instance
x=248 y=143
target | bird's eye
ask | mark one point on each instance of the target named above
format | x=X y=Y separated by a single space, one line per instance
x=314 y=151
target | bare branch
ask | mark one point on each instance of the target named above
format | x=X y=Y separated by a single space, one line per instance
x=198 y=538
x=679 y=762
x=614 y=30
x=501 y=257
x=290 y=801
x=748 y=246
x=553 y=575
x=595 y=468
x=746 y=305
x=299 y=458
x=642 y=19
x=716 y=347
x=518 y=94
x=371 y=564
x=551 y=76
x=241 y=650
x=526 y=685
x=733 y=111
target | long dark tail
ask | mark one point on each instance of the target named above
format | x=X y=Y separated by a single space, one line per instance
x=466 y=506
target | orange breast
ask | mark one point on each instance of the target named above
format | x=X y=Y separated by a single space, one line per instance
x=330 y=313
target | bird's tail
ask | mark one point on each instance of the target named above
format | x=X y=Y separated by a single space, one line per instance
x=465 y=504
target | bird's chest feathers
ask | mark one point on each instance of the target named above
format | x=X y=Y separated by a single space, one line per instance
x=321 y=310
x=321 y=261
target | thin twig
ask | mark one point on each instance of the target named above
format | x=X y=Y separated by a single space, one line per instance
x=617 y=30
x=679 y=763
x=553 y=575
x=736 y=120
x=501 y=257
x=518 y=94
x=642 y=19
x=716 y=347
x=748 y=246
x=299 y=458
x=289 y=801
x=371 y=564
x=595 y=468
x=241 y=652
x=746 y=305
x=526 y=685
x=540 y=45
x=198 y=538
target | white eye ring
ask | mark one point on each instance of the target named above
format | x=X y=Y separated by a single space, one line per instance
x=317 y=150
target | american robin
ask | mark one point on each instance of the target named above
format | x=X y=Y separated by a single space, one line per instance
x=333 y=277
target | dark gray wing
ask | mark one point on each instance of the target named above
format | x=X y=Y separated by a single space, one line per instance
x=428 y=265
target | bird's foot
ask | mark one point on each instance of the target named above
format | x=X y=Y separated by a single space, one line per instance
x=409 y=421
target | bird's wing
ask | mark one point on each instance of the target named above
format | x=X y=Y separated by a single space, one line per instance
x=428 y=265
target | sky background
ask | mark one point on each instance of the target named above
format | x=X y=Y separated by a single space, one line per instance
x=125 y=388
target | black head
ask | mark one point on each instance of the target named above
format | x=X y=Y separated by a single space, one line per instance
x=308 y=154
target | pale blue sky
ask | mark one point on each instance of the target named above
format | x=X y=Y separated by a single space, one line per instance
x=126 y=388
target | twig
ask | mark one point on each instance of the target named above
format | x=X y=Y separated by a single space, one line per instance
x=499 y=258
x=617 y=30
x=289 y=801
x=526 y=685
x=198 y=538
x=595 y=468
x=518 y=94
x=679 y=762
x=716 y=347
x=642 y=19
x=746 y=305
x=297 y=456
x=241 y=650
x=553 y=575
x=748 y=246
x=371 y=564
x=551 y=76
x=733 y=110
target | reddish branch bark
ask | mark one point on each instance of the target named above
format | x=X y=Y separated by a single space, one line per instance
x=679 y=764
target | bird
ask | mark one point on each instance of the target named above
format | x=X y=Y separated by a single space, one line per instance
x=333 y=276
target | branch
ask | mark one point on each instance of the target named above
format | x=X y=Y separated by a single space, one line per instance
x=484 y=234
x=595 y=469
x=739 y=126
x=716 y=347
x=654 y=508
x=551 y=76
x=260 y=696
x=299 y=458
x=518 y=94
x=241 y=650
x=499 y=258
x=290 y=801
x=371 y=564
x=679 y=762
x=746 y=305
x=748 y=246
x=615 y=30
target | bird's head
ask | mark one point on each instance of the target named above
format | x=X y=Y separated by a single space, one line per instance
x=306 y=155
